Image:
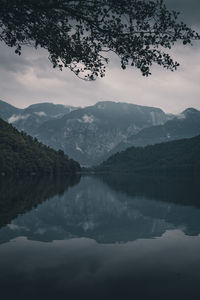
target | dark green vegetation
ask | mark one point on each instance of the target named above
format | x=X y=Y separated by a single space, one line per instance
x=90 y=135
x=22 y=154
x=180 y=155
x=85 y=134
x=80 y=34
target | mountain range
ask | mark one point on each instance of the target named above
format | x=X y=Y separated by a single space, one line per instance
x=91 y=134
x=30 y=118
x=185 y=125
x=85 y=134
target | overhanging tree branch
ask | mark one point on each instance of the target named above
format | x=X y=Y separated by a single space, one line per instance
x=77 y=32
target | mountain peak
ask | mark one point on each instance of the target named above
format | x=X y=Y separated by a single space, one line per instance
x=104 y=104
x=190 y=110
x=125 y=106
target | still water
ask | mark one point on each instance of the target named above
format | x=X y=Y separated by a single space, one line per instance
x=105 y=237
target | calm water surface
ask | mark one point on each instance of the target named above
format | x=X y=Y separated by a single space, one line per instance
x=105 y=237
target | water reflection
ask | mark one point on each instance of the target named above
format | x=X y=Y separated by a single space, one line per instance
x=176 y=188
x=103 y=237
x=108 y=209
x=18 y=196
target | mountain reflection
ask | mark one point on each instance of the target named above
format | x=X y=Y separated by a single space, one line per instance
x=108 y=209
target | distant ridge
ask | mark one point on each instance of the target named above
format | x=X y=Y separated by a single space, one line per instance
x=92 y=134
x=185 y=125
x=31 y=117
x=89 y=133
x=6 y=110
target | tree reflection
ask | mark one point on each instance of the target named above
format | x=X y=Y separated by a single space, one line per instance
x=181 y=189
x=21 y=195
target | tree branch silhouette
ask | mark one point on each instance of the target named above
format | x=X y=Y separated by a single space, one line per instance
x=78 y=33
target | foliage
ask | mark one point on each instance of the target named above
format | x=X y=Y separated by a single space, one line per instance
x=180 y=155
x=22 y=154
x=78 y=34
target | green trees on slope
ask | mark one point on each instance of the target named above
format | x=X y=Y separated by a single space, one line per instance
x=22 y=154
x=180 y=155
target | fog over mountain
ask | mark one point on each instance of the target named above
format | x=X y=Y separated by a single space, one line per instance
x=99 y=180
x=29 y=83
x=91 y=134
x=30 y=118
x=88 y=134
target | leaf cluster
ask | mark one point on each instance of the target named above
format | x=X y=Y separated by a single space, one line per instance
x=79 y=34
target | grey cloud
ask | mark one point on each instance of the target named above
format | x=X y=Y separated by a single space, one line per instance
x=30 y=57
x=30 y=78
x=171 y=91
x=9 y=61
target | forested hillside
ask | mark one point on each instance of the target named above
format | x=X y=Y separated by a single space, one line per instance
x=173 y=156
x=22 y=154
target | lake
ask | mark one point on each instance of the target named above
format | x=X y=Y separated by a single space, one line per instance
x=100 y=237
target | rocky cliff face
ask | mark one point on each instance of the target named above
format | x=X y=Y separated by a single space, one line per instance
x=185 y=125
x=89 y=133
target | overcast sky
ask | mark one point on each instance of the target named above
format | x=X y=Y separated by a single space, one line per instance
x=30 y=78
